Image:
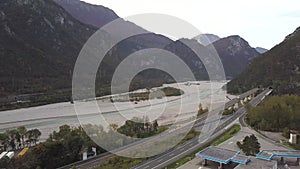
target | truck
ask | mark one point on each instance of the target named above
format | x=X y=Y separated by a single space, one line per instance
x=3 y=154
x=10 y=154
x=23 y=152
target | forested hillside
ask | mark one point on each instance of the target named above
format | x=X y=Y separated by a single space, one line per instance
x=276 y=113
x=279 y=68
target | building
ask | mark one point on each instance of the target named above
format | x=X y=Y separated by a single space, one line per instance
x=222 y=156
x=269 y=155
x=255 y=163
x=293 y=137
x=233 y=159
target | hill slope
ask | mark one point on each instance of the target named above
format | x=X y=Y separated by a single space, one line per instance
x=95 y=15
x=235 y=54
x=279 y=68
x=234 y=63
x=40 y=42
x=39 y=45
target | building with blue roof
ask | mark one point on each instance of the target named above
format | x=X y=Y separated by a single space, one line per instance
x=222 y=156
x=266 y=159
x=269 y=154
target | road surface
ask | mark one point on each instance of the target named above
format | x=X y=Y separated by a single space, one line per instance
x=189 y=147
x=186 y=148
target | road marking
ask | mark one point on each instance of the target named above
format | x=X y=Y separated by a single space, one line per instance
x=188 y=149
x=175 y=156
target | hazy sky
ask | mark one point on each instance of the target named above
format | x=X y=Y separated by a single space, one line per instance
x=262 y=23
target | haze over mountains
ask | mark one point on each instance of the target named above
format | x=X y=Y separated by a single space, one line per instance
x=261 y=50
x=40 y=41
x=206 y=39
x=233 y=62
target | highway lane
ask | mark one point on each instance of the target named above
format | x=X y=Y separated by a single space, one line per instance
x=185 y=146
x=246 y=94
x=189 y=147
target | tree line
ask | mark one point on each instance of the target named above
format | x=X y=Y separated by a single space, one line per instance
x=276 y=113
x=19 y=138
x=67 y=145
x=61 y=148
x=140 y=128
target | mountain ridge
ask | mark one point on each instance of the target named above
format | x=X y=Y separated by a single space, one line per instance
x=207 y=38
x=278 y=68
x=235 y=53
x=96 y=15
x=43 y=41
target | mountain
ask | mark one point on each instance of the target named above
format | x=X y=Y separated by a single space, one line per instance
x=95 y=15
x=279 y=68
x=153 y=40
x=39 y=45
x=40 y=41
x=206 y=39
x=261 y=50
x=235 y=54
x=189 y=56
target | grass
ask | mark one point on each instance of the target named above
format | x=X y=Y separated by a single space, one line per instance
x=189 y=136
x=232 y=131
x=120 y=162
x=292 y=146
x=228 y=112
x=123 y=162
x=229 y=133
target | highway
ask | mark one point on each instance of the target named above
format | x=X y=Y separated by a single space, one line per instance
x=187 y=147
x=179 y=152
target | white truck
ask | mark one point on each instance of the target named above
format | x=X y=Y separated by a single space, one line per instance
x=10 y=154
x=3 y=154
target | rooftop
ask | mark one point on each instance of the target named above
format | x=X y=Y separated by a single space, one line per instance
x=269 y=154
x=222 y=155
x=263 y=158
x=258 y=164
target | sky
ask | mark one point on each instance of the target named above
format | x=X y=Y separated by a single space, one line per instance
x=263 y=23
